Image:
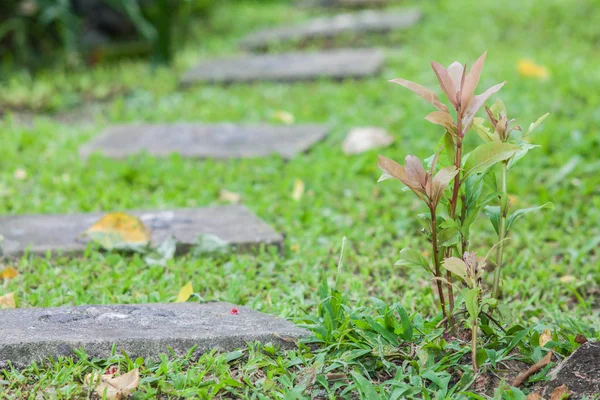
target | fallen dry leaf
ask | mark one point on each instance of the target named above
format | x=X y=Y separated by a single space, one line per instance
x=560 y=393
x=298 y=191
x=119 y=230
x=20 y=174
x=229 y=197
x=534 y=396
x=8 y=301
x=360 y=140
x=184 y=293
x=295 y=248
x=114 y=387
x=529 y=69
x=545 y=337
x=8 y=273
x=284 y=116
x=567 y=279
x=523 y=376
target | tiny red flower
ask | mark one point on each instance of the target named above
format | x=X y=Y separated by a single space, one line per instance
x=113 y=369
x=234 y=311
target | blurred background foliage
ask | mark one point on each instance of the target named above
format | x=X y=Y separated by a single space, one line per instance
x=34 y=33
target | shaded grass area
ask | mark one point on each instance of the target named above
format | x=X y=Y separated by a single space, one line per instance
x=341 y=199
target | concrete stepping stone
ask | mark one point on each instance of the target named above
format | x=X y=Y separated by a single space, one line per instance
x=141 y=330
x=288 y=67
x=194 y=140
x=359 y=23
x=61 y=233
x=343 y=3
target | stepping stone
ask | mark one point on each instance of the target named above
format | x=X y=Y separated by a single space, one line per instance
x=344 y=3
x=580 y=372
x=288 y=67
x=327 y=27
x=61 y=233
x=205 y=141
x=141 y=330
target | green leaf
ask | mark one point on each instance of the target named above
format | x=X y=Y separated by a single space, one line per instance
x=471 y=302
x=493 y=213
x=412 y=258
x=537 y=123
x=486 y=155
x=366 y=389
x=407 y=328
x=449 y=146
x=525 y=147
x=524 y=211
x=456 y=266
x=449 y=235
x=482 y=130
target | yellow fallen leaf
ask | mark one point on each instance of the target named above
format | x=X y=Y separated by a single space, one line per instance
x=20 y=174
x=545 y=337
x=118 y=230
x=561 y=392
x=567 y=279
x=8 y=301
x=229 y=197
x=114 y=387
x=8 y=273
x=529 y=69
x=298 y=190
x=185 y=293
x=295 y=248
x=283 y=116
x=534 y=396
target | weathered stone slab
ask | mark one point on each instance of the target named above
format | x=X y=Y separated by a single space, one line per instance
x=205 y=141
x=61 y=233
x=343 y=3
x=359 y=23
x=580 y=372
x=287 y=67
x=141 y=330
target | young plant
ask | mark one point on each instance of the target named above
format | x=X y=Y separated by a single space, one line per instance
x=453 y=211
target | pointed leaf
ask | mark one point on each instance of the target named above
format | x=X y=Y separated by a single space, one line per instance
x=493 y=213
x=412 y=258
x=391 y=169
x=524 y=211
x=525 y=147
x=456 y=70
x=471 y=303
x=471 y=81
x=483 y=131
x=487 y=155
x=407 y=327
x=365 y=388
x=441 y=181
x=423 y=92
x=415 y=170
x=476 y=103
x=444 y=119
x=535 y=124
x=445 y=81
x=456 y=266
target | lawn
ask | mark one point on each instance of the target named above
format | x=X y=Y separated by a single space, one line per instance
x=551 y=277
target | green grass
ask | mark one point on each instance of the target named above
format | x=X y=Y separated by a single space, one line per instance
x=342 y=198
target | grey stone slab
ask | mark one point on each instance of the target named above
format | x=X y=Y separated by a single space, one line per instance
x=205 y=141
x=580 y=372
x=141 y=330
x=61 y=233
x=288 y=67
x=369 y=21
x=343 y=3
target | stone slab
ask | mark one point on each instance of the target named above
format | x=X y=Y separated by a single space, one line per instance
x=288 y=67
x=343 y=3
x=359 y=23
x=220 y=141
x=580 y=372
x=60 y=233
x=141 y=330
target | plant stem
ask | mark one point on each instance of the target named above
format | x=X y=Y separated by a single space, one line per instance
x=453 y=203
x=474 y=328
x=436 y=262
x=501 y=231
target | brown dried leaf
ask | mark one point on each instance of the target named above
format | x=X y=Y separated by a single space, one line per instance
x=545 y=337
x=471 y=81
x=560 y=393
x=229 y=197
x=8 y=301
x=119 y=387
x=534 y=396
x=423 y=92
x=445 y=82
x=476 y=103
x=444 y=119
x=523 y=376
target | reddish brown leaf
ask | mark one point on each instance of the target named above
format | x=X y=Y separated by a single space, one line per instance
x=471 y=81
x=422 y=91
x=560 y=393
x=415 y=170
x=445 y=81
x=444 y=119
x=534 y=396
x=456 y=70
x=441 y=181
x=523 y=376
x=476 y=103
x=391 y=169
